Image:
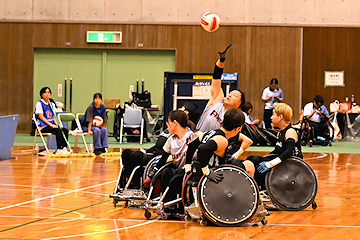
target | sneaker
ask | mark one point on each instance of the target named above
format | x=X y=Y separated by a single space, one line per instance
x=98 y=151
x=65 y=151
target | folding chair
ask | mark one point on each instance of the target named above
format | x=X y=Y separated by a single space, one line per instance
x=69 y=117
x=38 y=133
x=132 y=118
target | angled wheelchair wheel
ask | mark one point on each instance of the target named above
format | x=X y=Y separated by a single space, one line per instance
x=291 y=185
x=150 y=166
x=231 y=202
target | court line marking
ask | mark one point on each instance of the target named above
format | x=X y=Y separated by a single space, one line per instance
x=45 y=218
x=312 y=225
x=107 y=231
x=322 y=155
x=56 y=195
x=60 y=189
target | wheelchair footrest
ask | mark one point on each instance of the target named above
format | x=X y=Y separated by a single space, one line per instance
x=129 y=194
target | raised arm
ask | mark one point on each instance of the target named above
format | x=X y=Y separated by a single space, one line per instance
x=217 y=93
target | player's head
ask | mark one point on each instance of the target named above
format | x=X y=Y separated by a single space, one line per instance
x=281 y=112
x=235 y=99
x=247 y=107
x=192 y=110
x=318 y=101
x=97 y=98
x=45 y=92
x=233 y=119
x=274 y=83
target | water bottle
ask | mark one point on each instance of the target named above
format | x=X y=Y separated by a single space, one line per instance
x=91 y=148
x=37 y=149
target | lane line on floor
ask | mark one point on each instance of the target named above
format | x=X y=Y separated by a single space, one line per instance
x=107 y=231
x=56 y=195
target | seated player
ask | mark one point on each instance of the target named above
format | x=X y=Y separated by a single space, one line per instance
x=286 y=146
x=182 y=132
x=215 y=143
x=100 y=133
x=131 y=158
x=317 y=114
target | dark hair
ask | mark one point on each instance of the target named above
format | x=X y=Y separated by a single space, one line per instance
x=242 y=97
x=182 y=118
x=274 y=80
x=246 y=107
x=233 y=118
x=97 y=95
x=319 y=98
x=193 y=109
x=43 y=90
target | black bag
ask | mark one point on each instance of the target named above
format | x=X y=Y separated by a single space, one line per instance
x=141 y=99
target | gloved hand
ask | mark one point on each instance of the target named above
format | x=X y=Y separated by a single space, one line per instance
x=231 y=160
x=223 y=53
x=263 y=167
x=215 y=177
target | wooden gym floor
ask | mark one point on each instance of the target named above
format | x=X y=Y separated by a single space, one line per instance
x=44 y=198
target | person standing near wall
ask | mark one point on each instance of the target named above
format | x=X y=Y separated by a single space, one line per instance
x=272 y=94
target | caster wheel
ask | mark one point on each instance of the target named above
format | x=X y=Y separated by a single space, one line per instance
x=314 y=205
x=147 y=214
x=330 y=144
x=203 y=222
x=115 y=202
x=126 y=204
x=187 y=217
x=164 y=215
x=264 y=221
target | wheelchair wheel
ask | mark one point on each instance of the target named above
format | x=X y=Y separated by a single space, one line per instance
x=231 y=202
x=291 y=185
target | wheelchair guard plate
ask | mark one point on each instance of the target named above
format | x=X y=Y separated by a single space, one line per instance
x=231 y=202
x=292 y=185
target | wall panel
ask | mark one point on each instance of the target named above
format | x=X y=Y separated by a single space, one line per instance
x=330 y=49
x=258 y=54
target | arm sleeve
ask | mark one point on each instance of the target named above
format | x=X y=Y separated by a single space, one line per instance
x=105 y=116
x=162 y=160
x=205 y=152
x=290 y=143
x=167 y=145
x=89 y=114
x=281 y=95
x=307 y=109
x=191 y=150
x=38 y=108
x=325 y=110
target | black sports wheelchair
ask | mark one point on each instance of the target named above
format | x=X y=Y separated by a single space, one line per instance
x=307 y=134
x=235 y=201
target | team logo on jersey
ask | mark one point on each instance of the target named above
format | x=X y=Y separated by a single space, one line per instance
x=279 y=144
x=48 y=114
x=216 y=115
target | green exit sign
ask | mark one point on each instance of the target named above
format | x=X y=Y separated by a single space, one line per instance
x=103 y=37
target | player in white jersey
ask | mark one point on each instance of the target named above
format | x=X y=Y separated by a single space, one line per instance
x=214 y=111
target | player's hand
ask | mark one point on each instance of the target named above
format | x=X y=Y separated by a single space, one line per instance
x=90 y=132
x=262 y=167
x=223 y=53
x=53 y=126
x=231 y=160
x=215 y=177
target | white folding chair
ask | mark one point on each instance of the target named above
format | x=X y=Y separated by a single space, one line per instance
x=38 y=133
x=78 y=131
x=132 y=118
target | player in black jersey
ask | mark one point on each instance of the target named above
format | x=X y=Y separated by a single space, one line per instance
x=215 y=143
x=286 y=146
